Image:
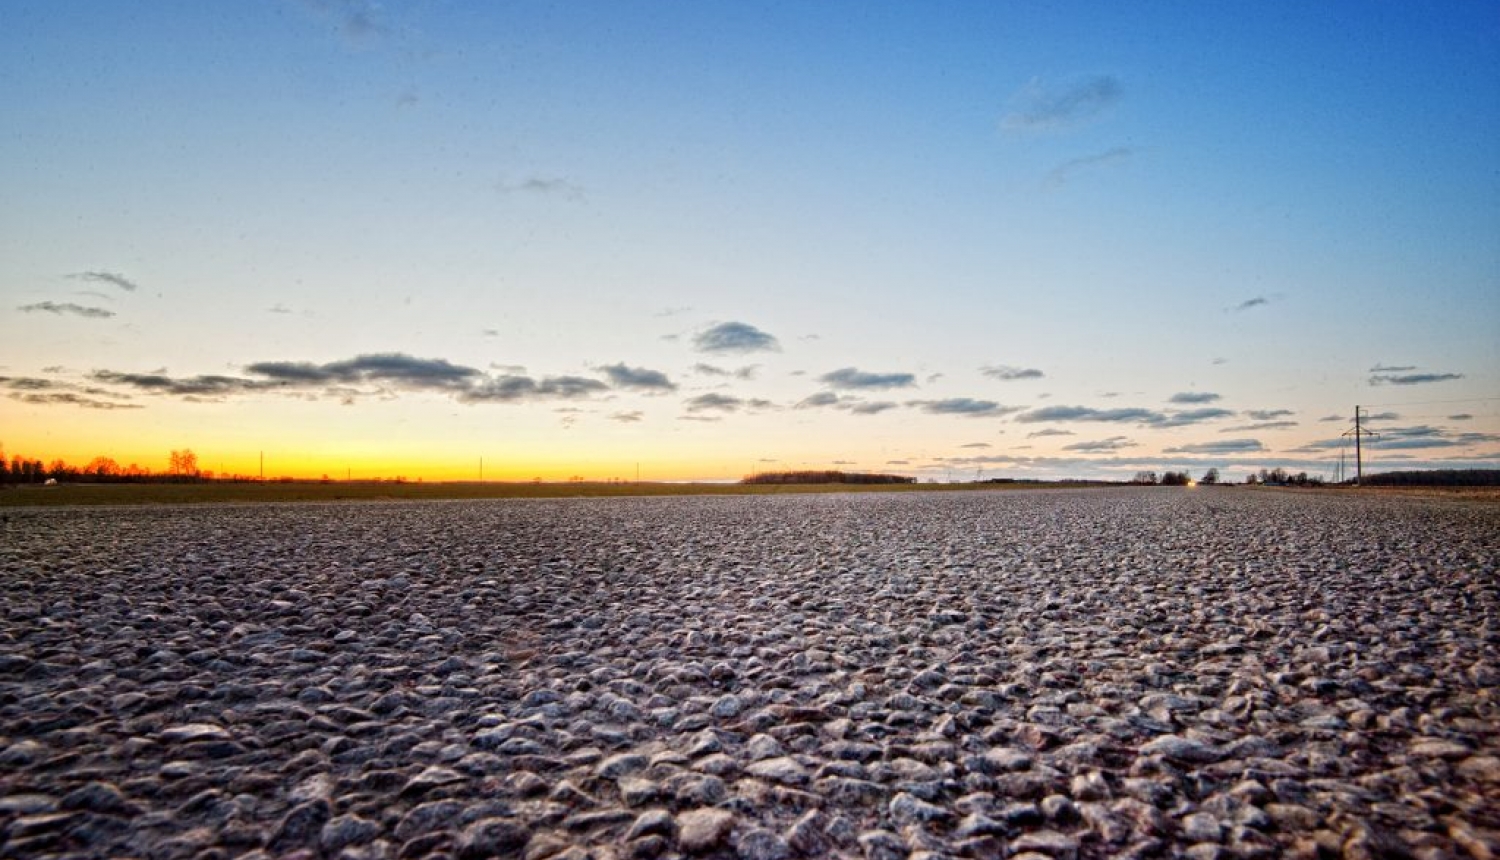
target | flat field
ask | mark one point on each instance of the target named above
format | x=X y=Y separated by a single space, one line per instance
x=1090 y=673
x=384 y=491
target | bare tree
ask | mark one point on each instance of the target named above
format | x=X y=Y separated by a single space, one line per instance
x=183 y=464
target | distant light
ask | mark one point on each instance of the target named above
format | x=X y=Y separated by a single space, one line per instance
x=1191 y=483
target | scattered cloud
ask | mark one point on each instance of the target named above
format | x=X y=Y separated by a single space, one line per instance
x=734 y=337
x=1049 y=431
x=1042 y=106
x=1247 y=304
x=1084 y=413
x=627 y=417
x=28 y=383
x=1413 y=378
x=1462 y=416
x=1268 y=414
x=1194 y=416
x=1260 y=425
x=1391 y=368
x=966 y=406
x=1061 y=174
x=550 y=186
x=356 y=21
x=1194 y=397
x=392 y=368
x=852 y=405
x=977 y=445
x=1427 y=436
x=1226 y=446
x=1419 y=444
x=638 y=378
x=820 y=399
x=278 y=308
x=61 y=308
x=672 y=312
x=712 y=402
x=47 y=392
x=194 y=386
x=747 y=372
x=513 y=389
x=1411 y=432
x=1113 y=443
x=1333 y=418
x=69 y=398
x=849 y=377
x=113 y=279
x=1007 y=373
x=379 y=373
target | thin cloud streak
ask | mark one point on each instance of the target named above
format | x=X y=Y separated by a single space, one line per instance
x=850 y=378
x=1413 y=378
x=1045 y=107
x=1084 y=413
x=114 y=279
x=1063 y=173
x=964 y=406
x=1006 y=373
x=66 y=308
x=1192 y=397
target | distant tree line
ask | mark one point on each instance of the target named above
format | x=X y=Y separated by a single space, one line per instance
x=1172 y=479
x=1283 y=478
x=1437 y=478
x=828 y=477
x=182 y=466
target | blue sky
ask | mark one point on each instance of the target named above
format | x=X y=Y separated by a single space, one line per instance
x=1176 y=216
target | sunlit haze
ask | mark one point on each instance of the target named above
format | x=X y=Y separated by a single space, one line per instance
x=693 y=240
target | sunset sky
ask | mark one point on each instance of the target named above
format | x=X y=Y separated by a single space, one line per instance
x=940 y=239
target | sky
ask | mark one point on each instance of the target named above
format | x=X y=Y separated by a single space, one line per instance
x=695 y=240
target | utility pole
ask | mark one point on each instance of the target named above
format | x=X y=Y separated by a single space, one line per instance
x=263 y=465
x=481 y=470
x=1359 y=432
x=1359 y=451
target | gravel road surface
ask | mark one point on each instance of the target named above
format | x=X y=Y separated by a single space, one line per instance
x=1159 y=672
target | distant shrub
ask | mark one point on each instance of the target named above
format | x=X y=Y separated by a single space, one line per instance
x=829 y=477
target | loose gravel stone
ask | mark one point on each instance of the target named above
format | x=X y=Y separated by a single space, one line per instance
x=1123 y=672
x=700 y=830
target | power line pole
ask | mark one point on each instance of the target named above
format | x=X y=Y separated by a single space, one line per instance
x=1359 y=453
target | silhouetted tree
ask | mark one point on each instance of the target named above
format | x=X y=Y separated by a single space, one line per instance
x=1210 y=477
x=183 y=464
x=102 y=468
